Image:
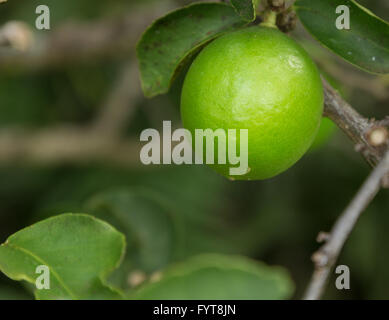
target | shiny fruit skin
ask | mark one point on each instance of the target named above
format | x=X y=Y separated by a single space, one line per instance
x=261 y=80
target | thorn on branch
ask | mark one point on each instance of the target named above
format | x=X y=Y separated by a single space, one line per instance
x=320 y=259
x=322 y=237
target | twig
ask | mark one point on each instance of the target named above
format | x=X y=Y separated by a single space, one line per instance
x=357 y=128
x=326 y=256
x=102 y=143
x=120 y=104
x=64 y=145
x=371 y=139
x=99 y=142
x=77 y=42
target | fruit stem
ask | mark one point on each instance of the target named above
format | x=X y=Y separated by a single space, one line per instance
x=270 y=19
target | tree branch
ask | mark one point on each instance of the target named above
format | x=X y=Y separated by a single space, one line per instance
x=75 y=42
x=325 y=258
x=358 y=128
x=120 y=104
x=64 y=145
x=371 y=138
x=99 y=142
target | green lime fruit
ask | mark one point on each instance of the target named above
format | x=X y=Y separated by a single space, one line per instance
x=261 y=80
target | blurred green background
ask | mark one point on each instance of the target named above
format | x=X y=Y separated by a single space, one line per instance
x=187 y=209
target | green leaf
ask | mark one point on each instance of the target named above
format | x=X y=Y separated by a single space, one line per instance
x=149 y=225
x=79 y=250
x=245 y=8
x=171 y=40
x=365 y=45
x=219 y=277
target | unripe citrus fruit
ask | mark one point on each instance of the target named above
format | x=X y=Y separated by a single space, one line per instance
x=261 y=80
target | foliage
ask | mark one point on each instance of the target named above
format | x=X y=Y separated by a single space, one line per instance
x=245 y=8
x=172 y=39
x=79 y=250
x=218 y=277
x=365 y=47
x=182 y=224
x=161 y=49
